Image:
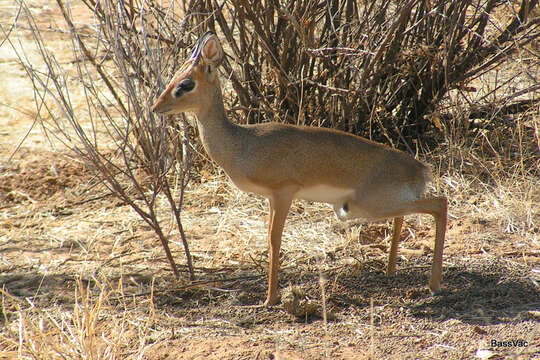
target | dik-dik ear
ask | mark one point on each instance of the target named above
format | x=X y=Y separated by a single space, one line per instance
x=211 y=50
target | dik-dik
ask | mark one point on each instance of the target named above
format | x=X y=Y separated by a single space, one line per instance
x=360 y=178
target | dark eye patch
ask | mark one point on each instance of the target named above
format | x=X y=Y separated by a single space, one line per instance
x=185 y=86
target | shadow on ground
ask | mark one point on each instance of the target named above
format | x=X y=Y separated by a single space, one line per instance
x=474 y=292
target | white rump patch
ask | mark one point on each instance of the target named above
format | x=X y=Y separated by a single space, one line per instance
x=340 y=211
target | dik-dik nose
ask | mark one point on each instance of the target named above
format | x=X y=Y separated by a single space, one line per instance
x=156 y=107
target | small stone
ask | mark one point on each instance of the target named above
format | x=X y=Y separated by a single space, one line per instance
x=296 y=303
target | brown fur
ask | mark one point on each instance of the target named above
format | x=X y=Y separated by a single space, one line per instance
x=283 y=162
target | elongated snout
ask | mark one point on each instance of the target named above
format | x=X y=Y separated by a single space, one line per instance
x=160 y=105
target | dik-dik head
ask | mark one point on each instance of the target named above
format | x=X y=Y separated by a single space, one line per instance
x=195 y=83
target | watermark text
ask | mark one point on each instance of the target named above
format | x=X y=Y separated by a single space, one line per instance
x=509 y=343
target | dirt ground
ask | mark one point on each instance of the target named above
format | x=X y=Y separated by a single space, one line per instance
x=82 y=276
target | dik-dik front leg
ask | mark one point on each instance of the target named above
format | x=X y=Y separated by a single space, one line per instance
x=279 y=208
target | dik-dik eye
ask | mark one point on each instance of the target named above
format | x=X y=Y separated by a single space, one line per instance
x=184 y=87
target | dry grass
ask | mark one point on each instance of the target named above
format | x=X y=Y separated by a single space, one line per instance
x=82 y=276
x=89 y=280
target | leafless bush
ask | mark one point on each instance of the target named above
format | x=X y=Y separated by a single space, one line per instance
x=375 y=68
x=134 y=153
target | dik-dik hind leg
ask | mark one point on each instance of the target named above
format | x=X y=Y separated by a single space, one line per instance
x=396 y=232
x=438 y=207
x=279 y=208
x=433 y=206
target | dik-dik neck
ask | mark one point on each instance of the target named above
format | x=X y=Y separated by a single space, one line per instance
x=219 y=136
